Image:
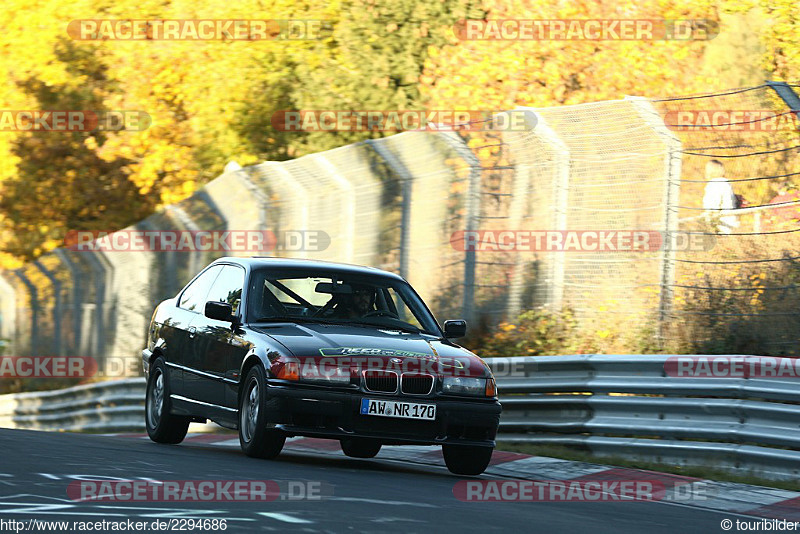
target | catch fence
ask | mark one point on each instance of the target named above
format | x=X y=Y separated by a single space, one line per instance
x=413 y=203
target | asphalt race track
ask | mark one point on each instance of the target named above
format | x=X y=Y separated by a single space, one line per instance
x=377 y=495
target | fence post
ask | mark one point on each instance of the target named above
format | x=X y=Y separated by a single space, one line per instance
x=473 y=209
x=406 y=180
x=297 y=210
x=188 y=224
x=34 y=303
x=57 y=349
x=163 y=262
x=672 y=177
x=554 y=281
x=263 y=202
x=100 y=273
x=77 y=296
x=516 y=212
x=8 y=309
x=348 y=195
x=787 y=94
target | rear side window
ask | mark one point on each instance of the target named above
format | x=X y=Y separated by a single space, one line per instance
x=228 y=287
x=194 y=296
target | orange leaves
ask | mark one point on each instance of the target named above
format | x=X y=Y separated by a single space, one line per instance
x=501 y=74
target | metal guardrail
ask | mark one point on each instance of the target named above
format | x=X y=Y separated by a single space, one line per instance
x=113 y=406
x=610 y=405
x=629 y=406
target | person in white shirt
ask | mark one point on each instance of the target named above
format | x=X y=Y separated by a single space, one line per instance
x=718 y=196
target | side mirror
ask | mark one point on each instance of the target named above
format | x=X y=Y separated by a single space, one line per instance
x=221 y=311
x=455 y=328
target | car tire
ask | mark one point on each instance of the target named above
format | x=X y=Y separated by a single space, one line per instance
x=256 y=439
x=162 y=426
x=466 y=459
x=360 y=447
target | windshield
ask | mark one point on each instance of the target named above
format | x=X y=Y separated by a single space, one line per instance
x=339 y=298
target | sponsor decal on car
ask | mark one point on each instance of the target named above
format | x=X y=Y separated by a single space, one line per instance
x=364 y=351
x=401 y=360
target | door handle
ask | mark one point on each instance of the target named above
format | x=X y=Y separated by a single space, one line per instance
x=192 y=332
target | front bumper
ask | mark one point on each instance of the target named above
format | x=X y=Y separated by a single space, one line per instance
x=336 y=414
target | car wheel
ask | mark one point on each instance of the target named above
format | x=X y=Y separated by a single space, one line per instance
x=360 y=447
x=466 y=460
x=256 y=439
x=162 y=426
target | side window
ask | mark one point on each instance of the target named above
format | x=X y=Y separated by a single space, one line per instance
x=228 y=287
x=401 y=308
x=194 y=298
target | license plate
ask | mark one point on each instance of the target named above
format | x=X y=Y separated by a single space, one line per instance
x=403 y=410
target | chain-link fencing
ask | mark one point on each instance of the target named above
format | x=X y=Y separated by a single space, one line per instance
x=488 y=222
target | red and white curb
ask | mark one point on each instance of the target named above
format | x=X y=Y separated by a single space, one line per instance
x=720 y=496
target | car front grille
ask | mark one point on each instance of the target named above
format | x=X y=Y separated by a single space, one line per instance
x=381 y=381
x=415 y=384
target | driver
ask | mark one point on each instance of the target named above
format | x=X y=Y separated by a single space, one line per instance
x=357 y=304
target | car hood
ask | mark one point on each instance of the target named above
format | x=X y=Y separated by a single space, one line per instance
x=373 y=348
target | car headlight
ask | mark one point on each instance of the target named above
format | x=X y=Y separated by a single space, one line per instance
x=314 y=373
x=459 y=385
x=336 y=376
